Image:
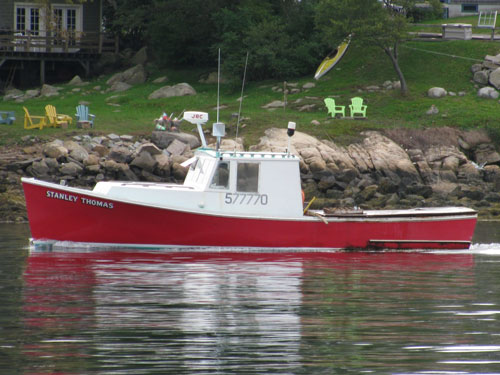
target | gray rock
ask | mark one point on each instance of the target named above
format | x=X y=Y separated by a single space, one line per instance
x=70 y=169
x=150 y=148
x=163 y=139
x=13 y=94
x=131 y=76
x=162 y=79
x=481 y=77
x=119 y=87
x=494 y=78
x=476 y=68
x=55 y=150
x=436 y=92
x=176 y=147
x=31 y=94
x=487 y=93
x=75 y=81
x=181 y=89
x=48 y=91
x=179 y=172
x=274 y=104
x=141 y=57
x=120 y=154
x=144 y=161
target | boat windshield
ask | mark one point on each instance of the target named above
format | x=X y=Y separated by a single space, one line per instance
x=221 y=176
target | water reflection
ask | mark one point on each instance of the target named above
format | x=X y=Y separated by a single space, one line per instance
x=125 y=312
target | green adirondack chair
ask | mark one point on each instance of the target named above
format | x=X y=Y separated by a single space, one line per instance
x=357 y=107
x=333 y=109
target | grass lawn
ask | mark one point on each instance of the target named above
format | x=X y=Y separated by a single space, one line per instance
x=425 y=64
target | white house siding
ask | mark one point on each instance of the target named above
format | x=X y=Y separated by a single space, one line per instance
x=455 y=10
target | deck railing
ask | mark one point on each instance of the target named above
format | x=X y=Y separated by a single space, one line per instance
x=56 y=42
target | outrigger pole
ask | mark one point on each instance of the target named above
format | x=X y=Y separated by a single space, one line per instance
x=241 y=97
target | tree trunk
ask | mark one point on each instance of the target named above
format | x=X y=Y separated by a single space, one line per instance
x=393 y=55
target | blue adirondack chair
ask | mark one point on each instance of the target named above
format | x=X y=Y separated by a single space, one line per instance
x=82 y=114
x=7 y=117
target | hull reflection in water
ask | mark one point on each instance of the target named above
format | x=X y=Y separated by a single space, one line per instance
x=203 y=312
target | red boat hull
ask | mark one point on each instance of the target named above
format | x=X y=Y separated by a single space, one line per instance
x=55 y=215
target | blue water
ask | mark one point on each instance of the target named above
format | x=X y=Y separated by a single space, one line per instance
x=125 y=312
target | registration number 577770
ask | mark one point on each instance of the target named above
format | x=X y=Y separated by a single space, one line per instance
x=248 y=199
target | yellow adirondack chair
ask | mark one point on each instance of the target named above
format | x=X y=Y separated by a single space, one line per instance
x=33 y=122
x=357 y=107
x=334 y=109
x=55 y=119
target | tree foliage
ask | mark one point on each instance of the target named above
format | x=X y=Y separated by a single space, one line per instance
x=278 y=35
x=369 y=22
x=282 y=37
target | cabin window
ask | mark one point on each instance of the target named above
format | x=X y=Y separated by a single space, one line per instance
x=248 y=177
x=221 y=176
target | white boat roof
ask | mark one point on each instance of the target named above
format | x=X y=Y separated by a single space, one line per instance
x=246 y=154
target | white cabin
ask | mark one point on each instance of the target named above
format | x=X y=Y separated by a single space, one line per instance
x=228 y=183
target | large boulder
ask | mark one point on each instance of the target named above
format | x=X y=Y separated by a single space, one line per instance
x=436 y=92
x=163 y=139
x=132 y=76
x=481 y=77
x=48 y=90
x=494 y=78
x=487 y=93
x=181 y=89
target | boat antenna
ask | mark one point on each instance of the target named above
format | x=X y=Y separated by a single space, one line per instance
x=218 y=128
x=241 y=98
x=218 y=85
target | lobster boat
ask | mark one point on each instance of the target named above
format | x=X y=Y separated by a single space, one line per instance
x=230 y=200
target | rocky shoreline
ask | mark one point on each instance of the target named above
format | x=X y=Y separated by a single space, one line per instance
x=397 y=168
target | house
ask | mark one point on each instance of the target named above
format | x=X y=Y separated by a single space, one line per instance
x=459 y=8
x=51 y=39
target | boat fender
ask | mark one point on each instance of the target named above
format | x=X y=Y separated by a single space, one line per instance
x=303 y=196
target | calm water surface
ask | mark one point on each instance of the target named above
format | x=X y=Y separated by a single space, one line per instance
x=341 y=313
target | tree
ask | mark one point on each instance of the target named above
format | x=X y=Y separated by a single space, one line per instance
x=278 y=34
x=369 y=22
x=130 y=20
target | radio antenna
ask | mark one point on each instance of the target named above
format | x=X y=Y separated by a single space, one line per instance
x=218 y=129
x=218 y=85
x=241 y=97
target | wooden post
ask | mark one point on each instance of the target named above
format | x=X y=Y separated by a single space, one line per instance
x=42 y=72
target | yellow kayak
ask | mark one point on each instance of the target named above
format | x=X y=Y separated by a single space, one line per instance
x=332 y=59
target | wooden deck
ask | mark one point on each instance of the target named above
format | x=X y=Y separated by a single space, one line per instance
x=49 y=46
x=13 y=42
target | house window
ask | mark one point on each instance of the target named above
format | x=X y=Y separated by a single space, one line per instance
x=34 y=20
x=58 y=18
x=67 y=24
x=248 y=177
x=469 y=8
x=71 y=19
x=21 y=19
